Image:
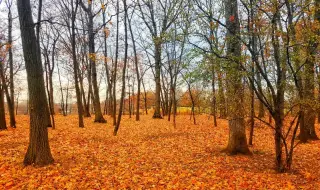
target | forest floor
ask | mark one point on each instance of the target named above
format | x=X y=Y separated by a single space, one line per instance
x=151 y=154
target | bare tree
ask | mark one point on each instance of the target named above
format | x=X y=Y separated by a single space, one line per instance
x=158 y=16
x=92 y=57
x=124 y=68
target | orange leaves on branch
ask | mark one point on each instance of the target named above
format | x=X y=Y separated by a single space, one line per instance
x=103 y=7
x=232 y=18
x=8 y=46
x=4 y=48
x=92 y=56
x=107 y=32
x=212 y=38
x=213 y=25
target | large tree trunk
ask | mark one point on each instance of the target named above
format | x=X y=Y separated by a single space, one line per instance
x=38 y=152
x=310 y=113
x=277 y=141
x=157 y=113
x=253 y=41
x=278 y=101
x=237 y=134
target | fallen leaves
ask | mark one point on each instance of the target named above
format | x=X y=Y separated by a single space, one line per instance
x=151 y=154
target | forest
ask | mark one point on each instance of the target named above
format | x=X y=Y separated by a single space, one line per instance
x=160 y=94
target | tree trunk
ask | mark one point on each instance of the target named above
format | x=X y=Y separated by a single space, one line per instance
x=253 y=41
x=3 y=124
x=145 y=97
x=47 y=70
x=86 y=106
x=51 y=69
x=192 y=104
x=109 y=81
x=10 y=60
x=278 y=101
x=174 y=106
x=157 y=113
x=92 y=55
x=9 y=100
x=124 y=68
x=214 y=101
x=47 y=117
x=277 y=140
x=17 y=103
x=310 y=114
x=237 y=134
x=261 y=112
x=67 y=98
x=62 y=95
x=75 y=67
x=252 y=112
x=222 y=99
x=114 y=78
x=38 y=152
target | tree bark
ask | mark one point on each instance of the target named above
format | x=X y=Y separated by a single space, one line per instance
x=145 y=97
x=157 y=46
x=38 y=152
x=75 y=65
x=10 y=101
x=214 y=101
x=62 y=95
x=92 y=57
x=222 y=99
x=109 y=80
x=3 y=124
x=237 y=142
x=310 y=113
x=123 y=69
x=114 y=76
x=261 y=112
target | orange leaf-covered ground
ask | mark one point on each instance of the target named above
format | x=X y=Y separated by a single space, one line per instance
x=151 y=154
